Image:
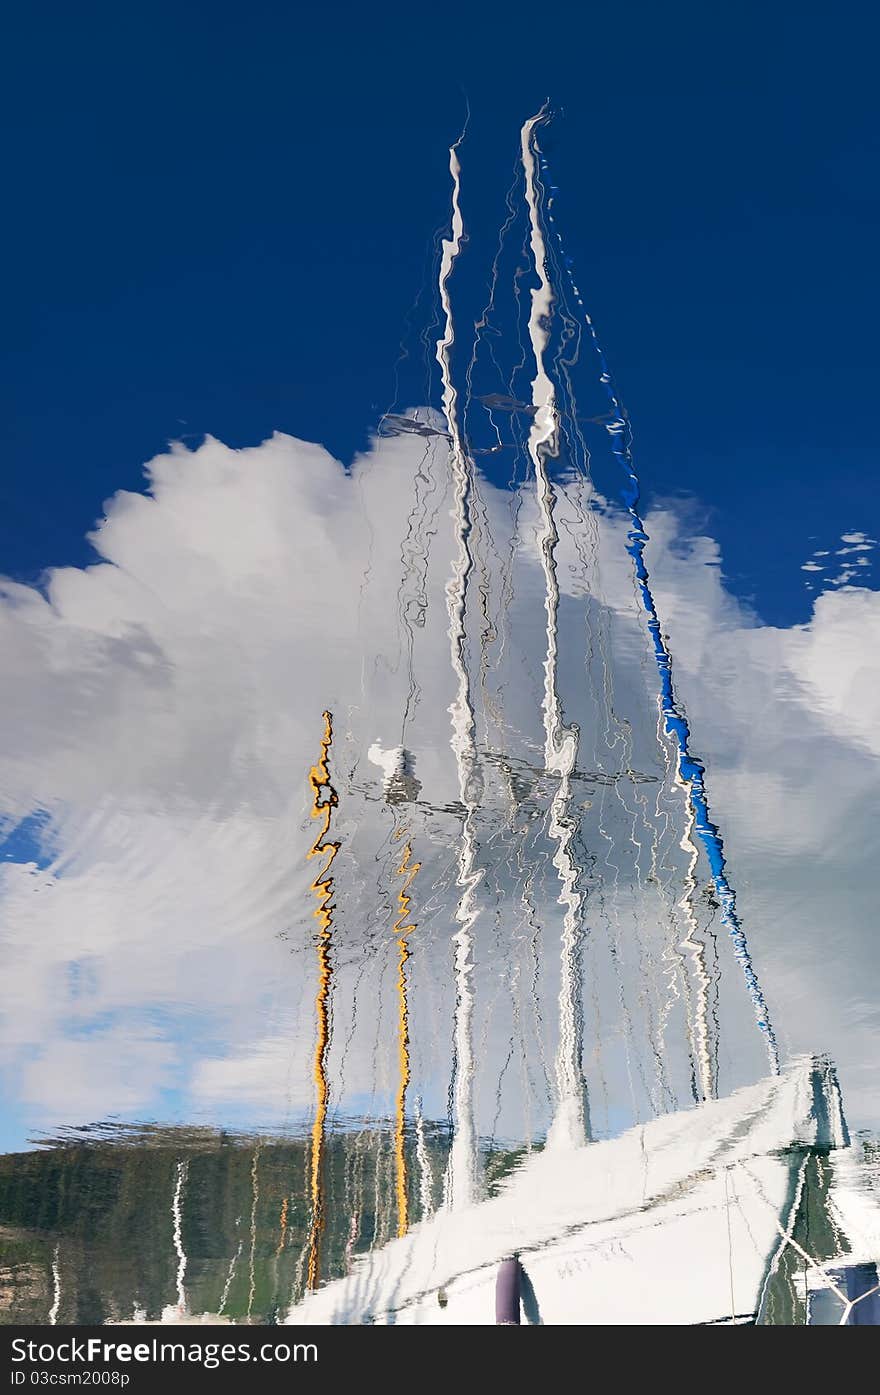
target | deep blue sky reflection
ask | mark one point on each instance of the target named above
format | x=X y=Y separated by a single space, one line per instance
x=220 y=217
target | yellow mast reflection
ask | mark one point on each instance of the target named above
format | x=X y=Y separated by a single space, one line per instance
x=282 y=1222
x=325 y=800
x=403 y=927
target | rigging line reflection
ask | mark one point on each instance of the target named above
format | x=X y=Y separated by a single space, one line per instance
x=230 y=1275
x=176 y=1221
x=677 y=975
x=255 y=1198
x=697 y=950
x=282 y=1227
x=561 y=741
x=573 y=443
x=426 y=1171
x=412 y=591
x=403 y=928
x=461 y=1178
x=691 y=771
x=324 y=801
x=56 y=1286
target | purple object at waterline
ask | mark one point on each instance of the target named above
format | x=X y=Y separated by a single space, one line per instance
x=507 y=1294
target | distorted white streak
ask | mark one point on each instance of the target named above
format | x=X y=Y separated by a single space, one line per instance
x=678 y=981
x=461 y=1176
x=354 y=1226
x=426 y=1172
x=56 y=1288
x=176 y=1217
x=698 y=956
x=255 y=1189
x=229 y=1277
x=560 y=741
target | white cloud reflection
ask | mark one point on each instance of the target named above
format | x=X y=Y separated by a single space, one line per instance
x=164 y=706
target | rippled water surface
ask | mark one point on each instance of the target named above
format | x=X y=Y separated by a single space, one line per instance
x=434 y=855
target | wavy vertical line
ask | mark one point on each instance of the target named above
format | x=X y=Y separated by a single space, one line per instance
x=691 y=773
x=230 y=1275
x=483 y=325
x=255 y=1197
x=645 y=958
x=380 y=1208
x=565 y=359
x=697 y=950
x=403 y=928
x=426 y=1171
x=584 y=536
x=412 y=592
x=612 y=916
x=324 y=801
x=511 y=872
x=461 y=1179
x=56 y=1287
x=490 y=629
x=678 y=981
x=690 y=769
x=560 y=741
x=536 y=957
x=501 y=867
x=494 y=630
x=177 y=1226
x=354 y=1194
x=282 y=1227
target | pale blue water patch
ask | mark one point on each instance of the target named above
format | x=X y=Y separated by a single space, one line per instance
x=31 y=841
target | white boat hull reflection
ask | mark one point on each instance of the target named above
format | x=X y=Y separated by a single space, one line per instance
x=681 y=1220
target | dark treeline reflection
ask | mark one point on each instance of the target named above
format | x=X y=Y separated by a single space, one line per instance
x=197 y=1221
x=184 y=1221
x=171 y=1224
